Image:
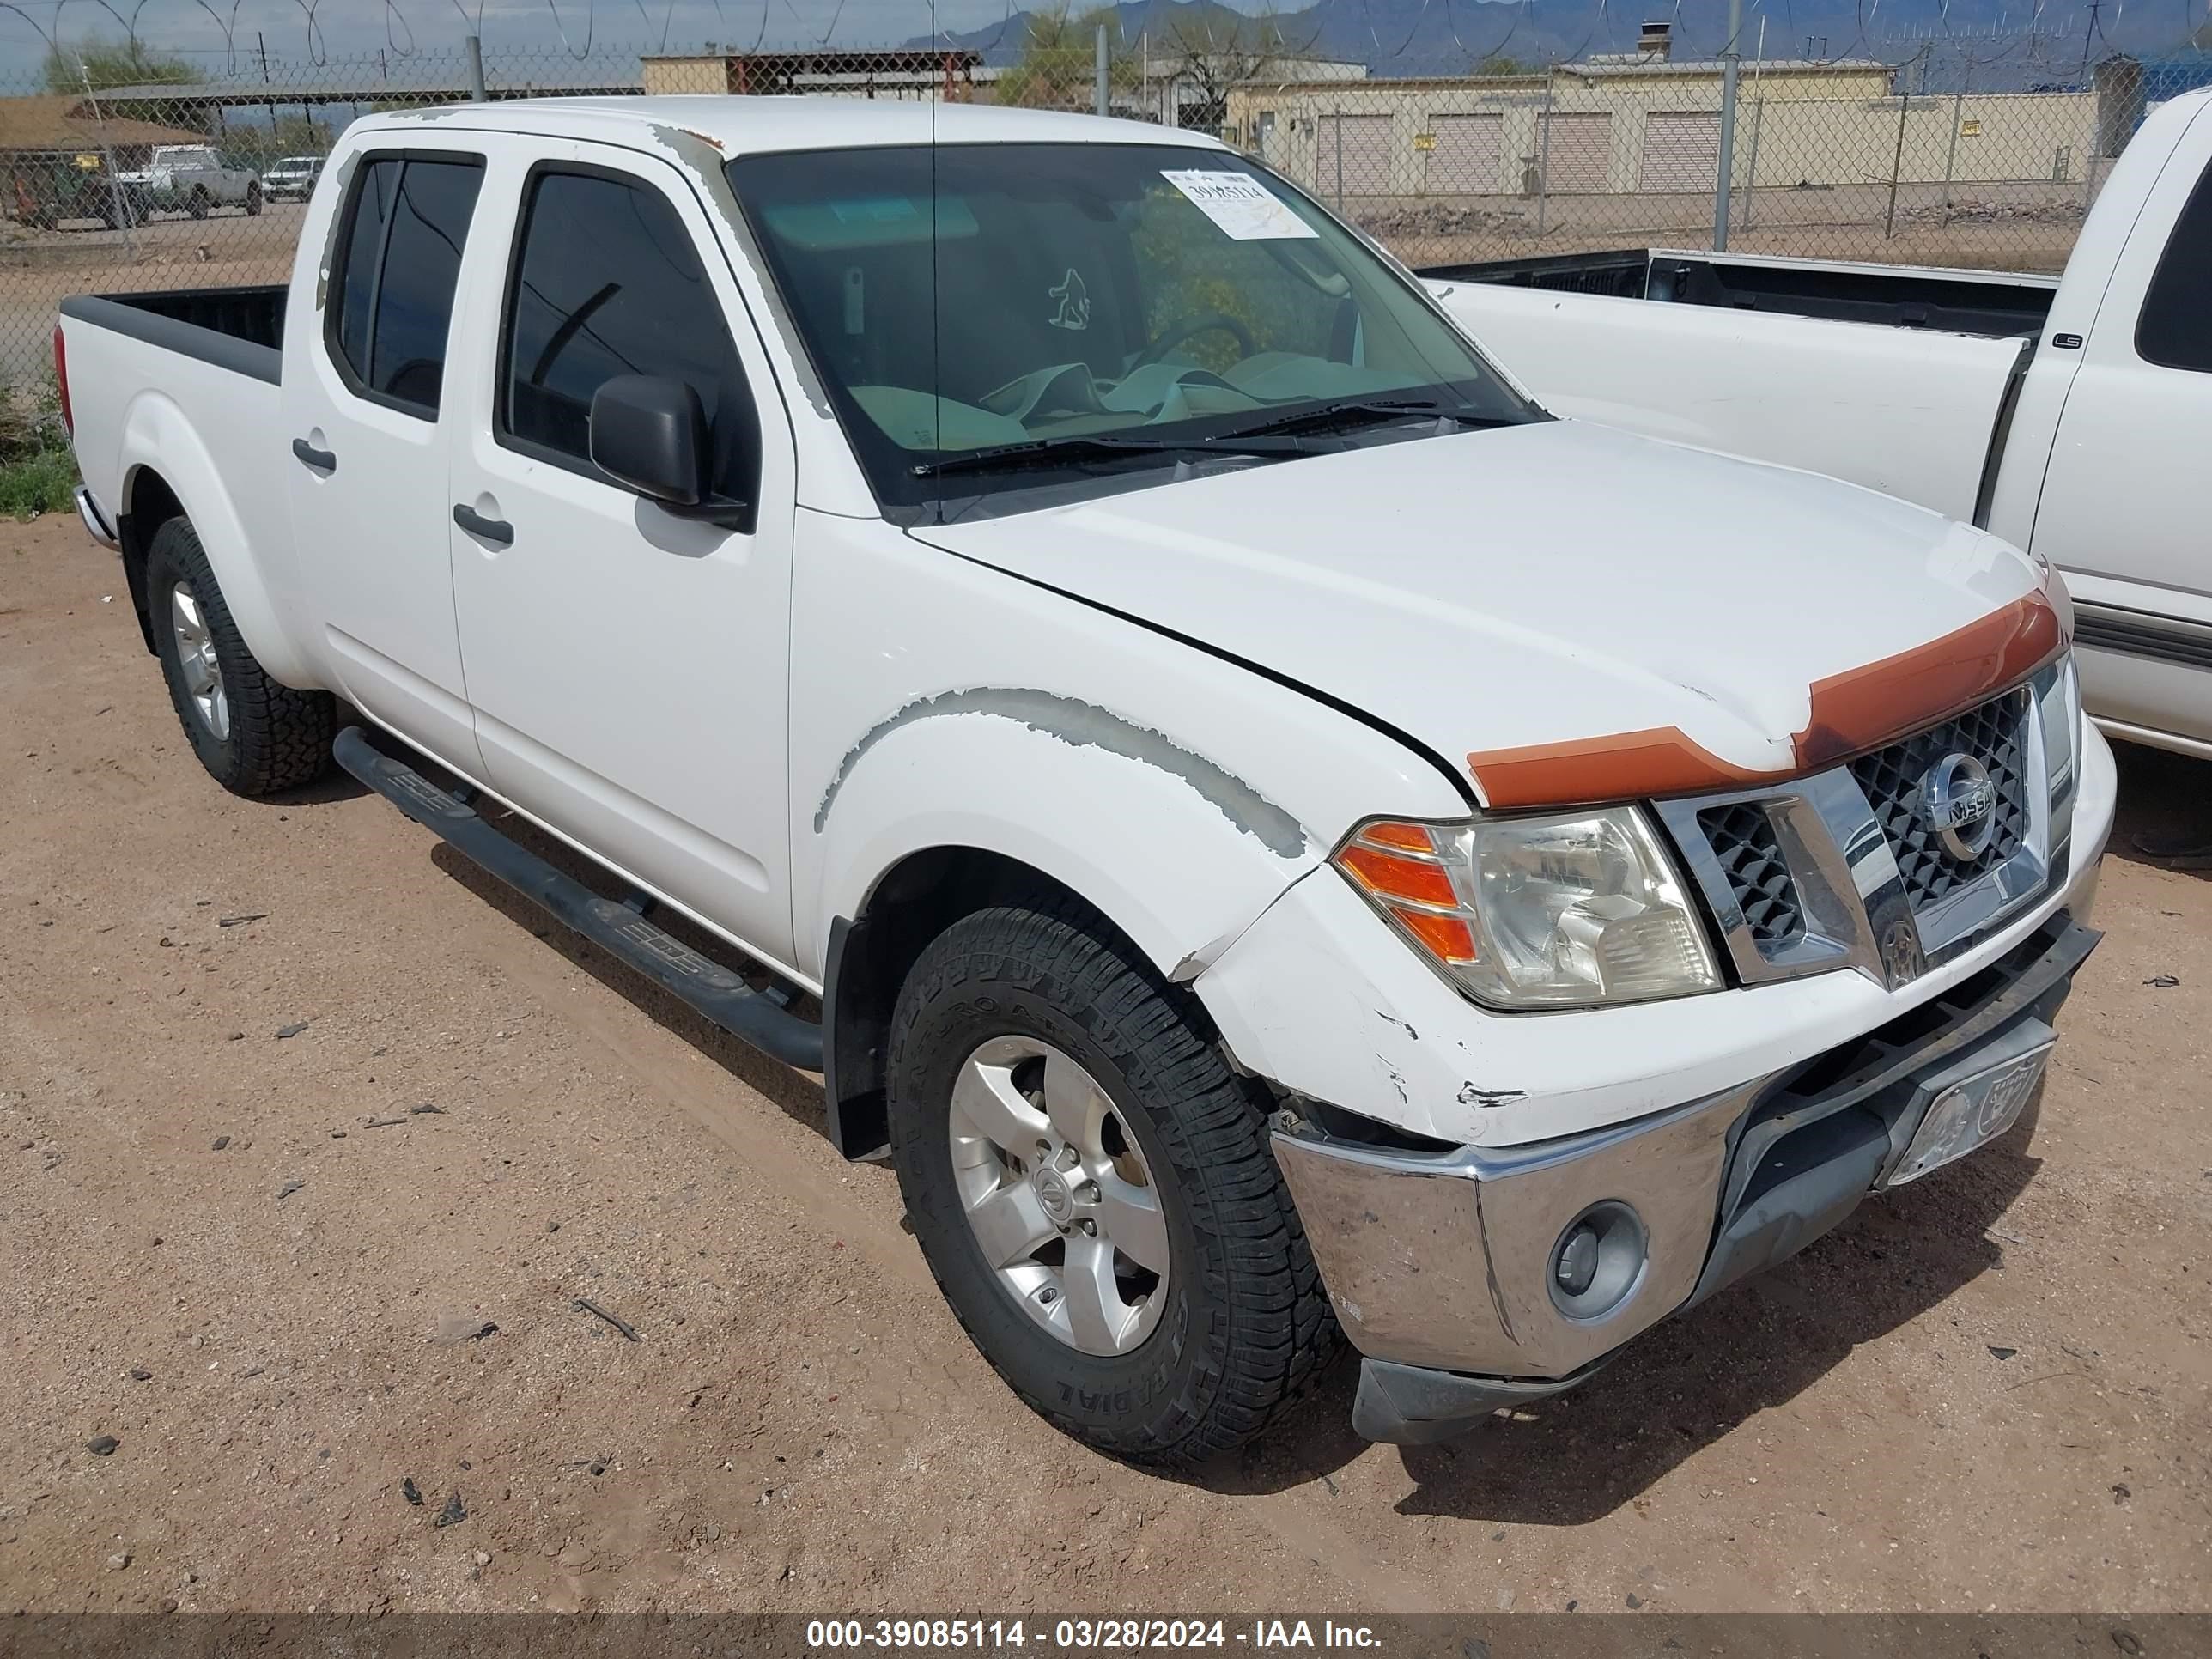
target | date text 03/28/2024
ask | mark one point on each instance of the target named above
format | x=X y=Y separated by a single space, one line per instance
x=1081 y=1635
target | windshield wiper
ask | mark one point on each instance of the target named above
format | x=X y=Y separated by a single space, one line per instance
x=1054 y=452
x=1364 y=411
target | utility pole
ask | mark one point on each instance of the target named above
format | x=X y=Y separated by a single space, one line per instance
x=1339 y=124
x=476 y=69
x=261 y=46
x=124 y=209
x=1958 y=120
x=1100 y=104
x=1725 y=186
x=1897 y=161
x=2089 y=33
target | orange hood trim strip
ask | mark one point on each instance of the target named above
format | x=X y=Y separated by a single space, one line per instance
x=1853 y=712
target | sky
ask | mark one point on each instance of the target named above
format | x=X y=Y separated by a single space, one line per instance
x=358 y=27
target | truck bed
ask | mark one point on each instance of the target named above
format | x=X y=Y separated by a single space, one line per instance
x=186 y=386
x=1996 y=305
x=1909 y=411
x=238 y=329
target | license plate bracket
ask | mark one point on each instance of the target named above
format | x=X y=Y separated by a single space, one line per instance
x=1973 y=1102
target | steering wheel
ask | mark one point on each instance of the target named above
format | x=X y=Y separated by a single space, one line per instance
x=1205 y=323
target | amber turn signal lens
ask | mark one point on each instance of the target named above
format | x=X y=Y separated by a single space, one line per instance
x=1392 y=876
x=1448 y=937
x=1410 y=836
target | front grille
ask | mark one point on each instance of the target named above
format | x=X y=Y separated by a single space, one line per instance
x=1890 y=779
x=1742 y=838
x=1842 y=869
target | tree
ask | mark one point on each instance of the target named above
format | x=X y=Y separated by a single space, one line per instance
x=1209 y=49
x=253 y=145
x=1058 y=67
x=1499 y=63
x=105 y=64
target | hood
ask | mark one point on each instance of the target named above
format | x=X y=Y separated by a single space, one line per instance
x=1560 y=588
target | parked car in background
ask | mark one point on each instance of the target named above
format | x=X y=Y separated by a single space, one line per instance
x=194 y=179
x=1031 y=618
x=291 y=178
x=2068 y=415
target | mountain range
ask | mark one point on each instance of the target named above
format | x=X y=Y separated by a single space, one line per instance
x=1449 y=37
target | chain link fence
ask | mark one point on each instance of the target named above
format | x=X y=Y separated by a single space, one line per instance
x=122 y=168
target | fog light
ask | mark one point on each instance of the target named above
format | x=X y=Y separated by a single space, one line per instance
x=1598 y=1263
x=1578 y=1263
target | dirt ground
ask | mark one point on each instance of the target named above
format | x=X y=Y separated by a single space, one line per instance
x=269 y=1272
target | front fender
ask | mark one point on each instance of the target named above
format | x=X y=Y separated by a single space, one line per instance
x=937 y=702
x=157 y=436
x=1178 y=852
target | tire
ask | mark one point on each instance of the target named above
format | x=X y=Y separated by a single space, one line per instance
x=272 y=737
x=1241 y=1323
x=253 y=201
x=198 y=206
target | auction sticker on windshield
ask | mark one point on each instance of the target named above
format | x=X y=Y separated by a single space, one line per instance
x=1246 y=209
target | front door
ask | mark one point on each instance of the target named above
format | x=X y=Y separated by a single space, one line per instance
x=2119 y=512
x=626 y=667
x=366 y=416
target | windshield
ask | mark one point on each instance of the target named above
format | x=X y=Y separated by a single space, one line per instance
x=1094 y=311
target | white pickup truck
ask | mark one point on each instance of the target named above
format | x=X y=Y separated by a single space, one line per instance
x=194 y=179
x=2070 y=415
x=1029 y=618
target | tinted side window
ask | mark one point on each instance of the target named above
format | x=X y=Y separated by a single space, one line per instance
x=402 y=260
x=375 y=186
x=606 y=281
x=2176 y=329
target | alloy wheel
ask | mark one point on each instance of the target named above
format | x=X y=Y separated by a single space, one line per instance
x=202 y=668
x=1058 y=1193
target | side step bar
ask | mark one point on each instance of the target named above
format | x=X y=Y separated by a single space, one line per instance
x=758 y=1017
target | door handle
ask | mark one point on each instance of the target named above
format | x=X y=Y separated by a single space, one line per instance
x=322 y=460
x=498 y=532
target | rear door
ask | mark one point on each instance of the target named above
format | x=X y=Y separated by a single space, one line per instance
x=2123 y=508
x=628 y=667
x=1465 y=159
x=1682 y=152
x=1354 y=158
x=1576 y=152
x=368 y=427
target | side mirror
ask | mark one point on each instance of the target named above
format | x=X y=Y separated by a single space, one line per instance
x=648 y=433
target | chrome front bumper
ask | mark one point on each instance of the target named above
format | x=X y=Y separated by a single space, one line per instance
x=1445 y=1262
x=1442 y=1261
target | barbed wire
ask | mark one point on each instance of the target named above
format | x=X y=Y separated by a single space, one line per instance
x=2099 y=26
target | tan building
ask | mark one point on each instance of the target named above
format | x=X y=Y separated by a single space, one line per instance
x=73 y=123
x=56 y=151
x=1970 y=138
x=1596 y=127
x=925 y=74
x=1645 y=125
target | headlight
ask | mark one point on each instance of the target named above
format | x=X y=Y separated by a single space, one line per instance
x=1538 y=912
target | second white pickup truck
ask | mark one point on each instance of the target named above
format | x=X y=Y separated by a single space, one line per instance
x=1031 y=618
x=194 y=179
x=2070 y=415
